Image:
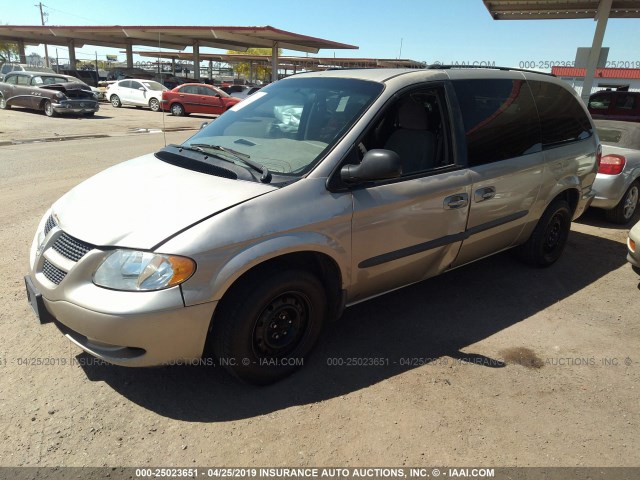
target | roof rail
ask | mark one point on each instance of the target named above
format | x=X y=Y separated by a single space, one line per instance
x=494 y=67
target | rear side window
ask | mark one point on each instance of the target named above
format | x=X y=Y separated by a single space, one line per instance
x=626 y=101
x=562 y=117
x=500 y=119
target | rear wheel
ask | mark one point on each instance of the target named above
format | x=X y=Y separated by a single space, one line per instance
x=549 y=237
x=3 y=104
x=177 y=110
x=624 y=210
x=154 y=105
x=268 y=324
x=115 y=101
x=48 y=109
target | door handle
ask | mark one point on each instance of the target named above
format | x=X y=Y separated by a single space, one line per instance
x=483 y=194
x=458 y=200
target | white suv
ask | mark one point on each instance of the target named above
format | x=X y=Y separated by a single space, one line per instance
x=137 y=92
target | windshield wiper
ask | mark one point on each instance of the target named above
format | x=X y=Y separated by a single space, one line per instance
x=243 y=157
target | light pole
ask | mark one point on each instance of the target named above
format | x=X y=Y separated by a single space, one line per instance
x=46 y=50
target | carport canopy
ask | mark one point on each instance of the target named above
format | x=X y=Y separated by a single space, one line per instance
x=599 y=10
x=288 y=62
x=174 y=37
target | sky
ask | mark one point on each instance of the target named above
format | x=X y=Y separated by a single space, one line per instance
x=431 y=31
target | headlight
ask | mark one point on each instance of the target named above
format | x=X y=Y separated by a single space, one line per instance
x=142 y=271
x=60 y=96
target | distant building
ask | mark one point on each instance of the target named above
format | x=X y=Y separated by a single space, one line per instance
x=625 y=79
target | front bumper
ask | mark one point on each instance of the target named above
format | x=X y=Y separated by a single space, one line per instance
x=125 y=328
x=76 y=106
x=140 y=339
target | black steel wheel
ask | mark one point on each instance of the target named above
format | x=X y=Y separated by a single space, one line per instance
x=549 y=238
x=267 y=324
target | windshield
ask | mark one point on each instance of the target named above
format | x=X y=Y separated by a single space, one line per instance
x=290 y=125
x=151 y=85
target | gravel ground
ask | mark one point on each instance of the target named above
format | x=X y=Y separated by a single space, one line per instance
x=493 y=364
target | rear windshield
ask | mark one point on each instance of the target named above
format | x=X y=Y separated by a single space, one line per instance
x=291 y=124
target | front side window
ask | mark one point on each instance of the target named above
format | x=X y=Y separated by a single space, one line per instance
x=135 y=85
x=11 y=79
x=562 y=116
x=600 y=102
x=290 y=125
x=500 y=119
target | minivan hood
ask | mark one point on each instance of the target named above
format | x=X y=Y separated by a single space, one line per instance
x=141 y=202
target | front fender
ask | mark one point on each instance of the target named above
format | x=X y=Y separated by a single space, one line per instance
x=195 y=291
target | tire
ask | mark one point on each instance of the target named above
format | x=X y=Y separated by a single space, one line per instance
x=268 y=324
x=177 y=110
x=115 y=101
x=549 y=237
x=635 y=269
x=154 y=105
x=89 y=114
x=623 y=212
x=48 y=109
x=3 y=104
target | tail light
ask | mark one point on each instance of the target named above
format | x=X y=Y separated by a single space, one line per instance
x=612 y=164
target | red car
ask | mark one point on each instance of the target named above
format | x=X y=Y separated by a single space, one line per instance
x=197 y=98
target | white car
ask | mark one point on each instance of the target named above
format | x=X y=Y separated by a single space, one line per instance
x=137 y=92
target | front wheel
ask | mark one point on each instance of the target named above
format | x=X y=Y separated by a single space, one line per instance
x=624 y=210
x=48 y=109
x=3 y=104
x=549 y=237
x=268 y=324
x=115 y=101
x=154 y=105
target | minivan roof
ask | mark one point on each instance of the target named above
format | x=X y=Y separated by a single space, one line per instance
x=384 y=74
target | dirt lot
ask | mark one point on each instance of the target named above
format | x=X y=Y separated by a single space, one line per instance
x=493 y=364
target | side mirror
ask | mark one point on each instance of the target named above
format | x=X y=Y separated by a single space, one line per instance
x=376 y=165
x=203 y=124
x=141 y=89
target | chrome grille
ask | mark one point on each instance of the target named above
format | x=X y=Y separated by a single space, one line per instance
x=53 y=273
x=49 y=225
x=71 y=247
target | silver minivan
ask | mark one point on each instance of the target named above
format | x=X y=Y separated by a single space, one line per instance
x=317 y=192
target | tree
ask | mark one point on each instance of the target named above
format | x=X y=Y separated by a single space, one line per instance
x=259 y=71
x=8 y=51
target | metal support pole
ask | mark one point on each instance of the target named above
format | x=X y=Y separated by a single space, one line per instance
x=72 y=54
x=603 y=15
x=196 y=61
x=129 y=49
x=21 y=54
x=274 y=62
